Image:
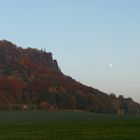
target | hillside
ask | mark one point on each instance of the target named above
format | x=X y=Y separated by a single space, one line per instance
x=32 y=79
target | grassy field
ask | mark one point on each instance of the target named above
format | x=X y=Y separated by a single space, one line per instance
x=67 y=125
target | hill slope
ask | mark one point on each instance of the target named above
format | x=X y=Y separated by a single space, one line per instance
x=32 y=79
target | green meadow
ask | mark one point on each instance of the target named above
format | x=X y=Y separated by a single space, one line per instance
x=67 y=125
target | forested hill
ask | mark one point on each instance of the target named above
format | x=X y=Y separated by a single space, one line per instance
x=32 y=79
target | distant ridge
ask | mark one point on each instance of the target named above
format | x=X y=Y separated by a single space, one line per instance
x=31 y=79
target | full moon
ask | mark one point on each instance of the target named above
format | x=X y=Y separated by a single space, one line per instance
x=110 y=65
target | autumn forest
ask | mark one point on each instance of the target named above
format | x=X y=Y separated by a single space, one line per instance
x=31 y=79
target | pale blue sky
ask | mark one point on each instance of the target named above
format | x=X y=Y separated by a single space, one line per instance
x=85 y=36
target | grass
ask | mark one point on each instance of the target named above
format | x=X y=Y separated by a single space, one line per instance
x=67 y=125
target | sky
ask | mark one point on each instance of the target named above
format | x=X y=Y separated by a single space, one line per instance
x=97 y=42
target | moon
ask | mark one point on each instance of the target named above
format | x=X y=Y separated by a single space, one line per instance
x=110 y=65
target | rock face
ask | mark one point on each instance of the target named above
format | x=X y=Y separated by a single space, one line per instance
x=32 y=79
x=10 y=53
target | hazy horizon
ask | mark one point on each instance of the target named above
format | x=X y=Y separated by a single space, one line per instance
x=95 y=41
